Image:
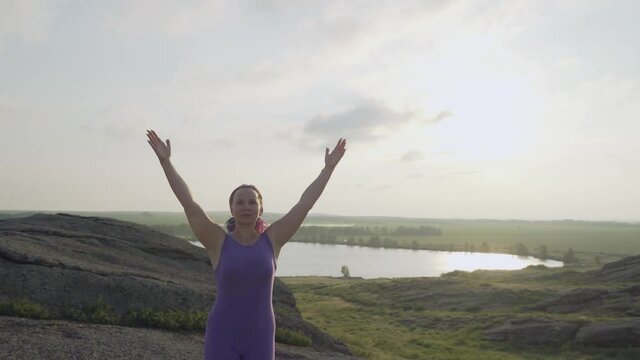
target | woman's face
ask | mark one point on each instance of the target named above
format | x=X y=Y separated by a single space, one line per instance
x=246 y=206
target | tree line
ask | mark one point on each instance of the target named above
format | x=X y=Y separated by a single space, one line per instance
x=329 y=234
x=379 y=237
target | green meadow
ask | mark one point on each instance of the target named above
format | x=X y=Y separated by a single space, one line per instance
x=442 y=318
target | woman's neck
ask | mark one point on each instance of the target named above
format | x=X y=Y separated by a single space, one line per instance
x=245 y=233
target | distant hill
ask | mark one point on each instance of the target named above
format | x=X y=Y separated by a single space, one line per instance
x=595 y=243
x=170 y=217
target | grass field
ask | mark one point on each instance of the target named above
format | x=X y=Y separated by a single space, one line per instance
x=438 y=318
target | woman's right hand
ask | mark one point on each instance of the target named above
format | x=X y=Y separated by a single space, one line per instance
x=162 y=151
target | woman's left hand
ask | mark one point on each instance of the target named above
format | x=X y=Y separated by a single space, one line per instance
x=331 y=159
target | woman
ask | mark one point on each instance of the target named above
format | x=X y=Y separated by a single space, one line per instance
x=241 y=323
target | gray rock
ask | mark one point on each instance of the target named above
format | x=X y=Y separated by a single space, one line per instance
x=632 y=290
x=621 y=334
x=533 y=332
x=572 y=301
x=66 y=262
x=58 y=339
x=627 y=269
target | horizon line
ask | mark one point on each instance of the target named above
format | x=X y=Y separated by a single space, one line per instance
x=337 y=215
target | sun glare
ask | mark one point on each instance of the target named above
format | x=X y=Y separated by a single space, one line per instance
x=473 y=261
x=490 y=119
x=493 y=103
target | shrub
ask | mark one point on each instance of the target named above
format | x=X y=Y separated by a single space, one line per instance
x=570 y=256
x=98 y=313
x=521 y=250
x=473 y=308
x=101 y=313
x=456 y=273
x=543 y=252
x=166 y=319
x=25 y=308
x=345 y=271
x=292 y=337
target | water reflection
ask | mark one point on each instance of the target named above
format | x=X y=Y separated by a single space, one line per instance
x=474 y=261
x=302 y=259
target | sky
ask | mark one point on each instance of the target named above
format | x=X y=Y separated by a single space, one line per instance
x=451 y=109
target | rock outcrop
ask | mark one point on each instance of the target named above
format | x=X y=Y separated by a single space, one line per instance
x=620 y=302
x=547 y=332
x=572 y=301
x=533 y=332
x=616 y=299
x=627 y=269
x=57 y=339
x=65 y=262
x=622 y=334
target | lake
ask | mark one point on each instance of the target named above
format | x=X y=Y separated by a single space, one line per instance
x=305 y=259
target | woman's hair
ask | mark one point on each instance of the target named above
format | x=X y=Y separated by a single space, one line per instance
x=245 y=186
x=261 y=225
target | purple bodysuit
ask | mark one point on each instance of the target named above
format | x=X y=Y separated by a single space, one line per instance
x=241 y=324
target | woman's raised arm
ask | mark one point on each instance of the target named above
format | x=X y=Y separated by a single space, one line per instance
x=203 y=227
x=282 y=230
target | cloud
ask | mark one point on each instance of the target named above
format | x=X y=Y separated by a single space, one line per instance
x=443 y=153
x=27 y=20
x=17 y=124
x=457 y=173
x=197 y=118
x=223 y=143
x=115 y=131
x=441 y=116
x=116 y=123
x=382 y=187
x=9 y=112
x=314 y=41
x=122 y=132
x=366 y=122
x=412 y=155
x=168 y=19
